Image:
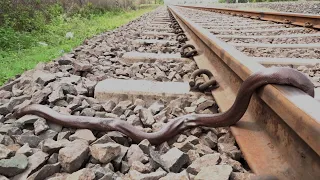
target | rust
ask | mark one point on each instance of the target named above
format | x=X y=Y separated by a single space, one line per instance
x=281 y=123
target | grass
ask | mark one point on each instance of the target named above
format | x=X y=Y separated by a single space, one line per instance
x=15 y=62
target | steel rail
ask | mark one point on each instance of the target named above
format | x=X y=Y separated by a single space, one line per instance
x=280 y=133
x=305 y=20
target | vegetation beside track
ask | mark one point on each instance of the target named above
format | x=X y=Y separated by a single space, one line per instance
x=21 y=48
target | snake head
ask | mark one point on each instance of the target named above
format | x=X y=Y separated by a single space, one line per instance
x=185 y=122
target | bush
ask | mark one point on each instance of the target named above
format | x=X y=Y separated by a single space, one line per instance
x=22 y=17
x=13 y=40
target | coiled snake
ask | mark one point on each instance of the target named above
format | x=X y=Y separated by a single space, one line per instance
x=277 y=75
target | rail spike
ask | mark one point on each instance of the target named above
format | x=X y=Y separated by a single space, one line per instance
x=188 y=54
x=182 y=38
x=203 y=86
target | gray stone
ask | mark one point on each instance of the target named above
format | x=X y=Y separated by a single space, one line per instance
x=63 y=135
x=27 y=119
x=175 y=159
x=140 y=167
x=124 y=167
x=203 y=149
x=144 y=146
x=61 y=103
x=82 y=67
x=68 y=88
x=109 y=167
x=230 y=149
x=196 y=131
x=5 y=109
x=134 y=120
x=35 y=162
x=15 y=101
x=193 y=140
x=203 y=105
x=40 y=126
x=84 y=134
x=184 y=146
x=74 y=155
x=25 y=149
x=6 y=140
x=65 y=60
x=87 y=112
x=10 y=129
x=156 y=107
x=5 y=152
x=176 y=176
x=210 y=139
x=32 y=140
x=146 y=117
x=104 y=139
x=190 y=109
x=242 y=176
x=161 y=117
x=204 y=161
x=83 y=174
x=43 y=78
x=51 y=146
x=139 y=102
x=13 y=166
x=58 y=176
x=181 y=138
x=3 y=178
x=96 y=107
x=111 y=115
x=164 y=147
x=236 y=165
x=53 y=158
x=41 y=95
x=133 y=174
x=105 y=153
x=121 y=107
x=193 y=155
x=99 y=171
x=118 y=137
x=48 y=134
x=217 y=172
x=45 y=171
x=81 y=90
x=137 y=109
x=117 y=162
x=5 y=94
x=136 y=154
x=56 y=95
x=55 y=127
x=227 y=138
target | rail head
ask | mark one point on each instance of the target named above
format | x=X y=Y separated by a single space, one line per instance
x=305 y=20
x=296 y=109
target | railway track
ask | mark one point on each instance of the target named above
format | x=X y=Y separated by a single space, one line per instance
x=139 y=75
x=279 y=134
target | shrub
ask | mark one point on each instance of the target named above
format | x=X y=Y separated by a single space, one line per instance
x=14 y=40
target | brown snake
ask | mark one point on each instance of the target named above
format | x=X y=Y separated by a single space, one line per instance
x=277 y=75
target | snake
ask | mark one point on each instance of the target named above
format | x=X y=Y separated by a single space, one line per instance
x=274 y=75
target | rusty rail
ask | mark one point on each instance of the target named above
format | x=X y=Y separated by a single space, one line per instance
x=280 y=133
x=305 y=20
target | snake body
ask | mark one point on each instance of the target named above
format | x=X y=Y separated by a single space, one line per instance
x=281 y=76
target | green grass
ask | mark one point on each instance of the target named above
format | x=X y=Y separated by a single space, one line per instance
x=17 y=61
